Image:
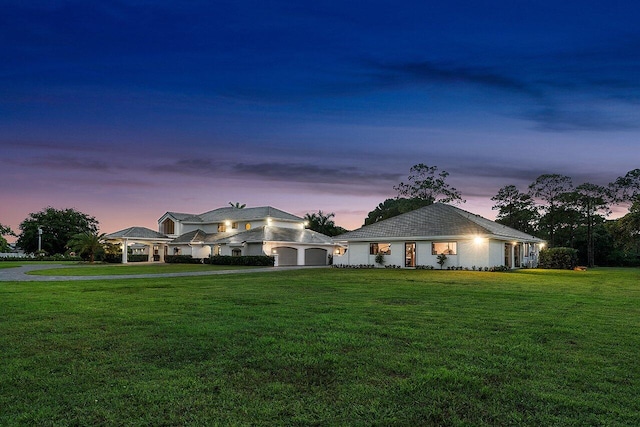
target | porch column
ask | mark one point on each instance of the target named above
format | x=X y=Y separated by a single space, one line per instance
x=161 y=249
x=300 y=256
x=512 y=251
x=125 y=249
x=150 y=250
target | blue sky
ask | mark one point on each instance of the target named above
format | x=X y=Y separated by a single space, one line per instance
x=127 y=109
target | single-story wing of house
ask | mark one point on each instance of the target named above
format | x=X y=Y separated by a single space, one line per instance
x=418 y=238
x=230 y=231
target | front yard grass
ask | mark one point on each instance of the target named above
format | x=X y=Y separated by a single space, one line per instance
x=325 y=347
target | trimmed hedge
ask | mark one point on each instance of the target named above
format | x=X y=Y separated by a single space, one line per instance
x=182 y=259
x=256 y=260
x=137 y=258
x=117 y=258
x=558 y=258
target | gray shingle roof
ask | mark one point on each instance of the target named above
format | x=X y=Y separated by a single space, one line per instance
x=278 y=234
x=136 y=233
x=236 y=214
x=192 y=236
x=179 y=215
x=433 y=221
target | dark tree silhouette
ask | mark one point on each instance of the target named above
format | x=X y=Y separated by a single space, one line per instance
x=58 y=227
x=515 y=209
x=550 y=188
x=426 y=183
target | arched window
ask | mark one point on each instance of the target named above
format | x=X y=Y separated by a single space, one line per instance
x=168 y=226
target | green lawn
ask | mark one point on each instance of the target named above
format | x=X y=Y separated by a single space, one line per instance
x=131 y=268
x=325 y=347
x=12 y=264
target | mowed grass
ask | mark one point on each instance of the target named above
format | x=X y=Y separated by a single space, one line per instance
x=325 y=347
x=131 y=268
x=13 y=264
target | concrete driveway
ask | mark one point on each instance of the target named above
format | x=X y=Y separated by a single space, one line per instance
x=19 y=274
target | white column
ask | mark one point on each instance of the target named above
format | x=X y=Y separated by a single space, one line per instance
x=125 y=249
x=301 y=256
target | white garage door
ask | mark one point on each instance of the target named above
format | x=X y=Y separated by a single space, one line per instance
x=287 y=256
x=315 y=256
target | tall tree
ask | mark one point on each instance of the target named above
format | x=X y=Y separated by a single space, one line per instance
x=394 y=207
x=58 y=227
x=87 y=244
x=515 y=209
x=627 y=229
x=426 y=183
x=5 y=231
x=593 y=202
x=550 y=188
x=567 y=220
x=627 y=188
x=322 y=223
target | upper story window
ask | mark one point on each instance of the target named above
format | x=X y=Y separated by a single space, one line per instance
x=222 y=228
x=247 y=226
x=168 y=226
x=447 y=248
x=234 y=225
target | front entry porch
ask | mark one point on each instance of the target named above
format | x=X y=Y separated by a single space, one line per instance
x=148 y=242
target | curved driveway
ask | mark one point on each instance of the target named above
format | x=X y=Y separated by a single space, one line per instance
x=19 y=274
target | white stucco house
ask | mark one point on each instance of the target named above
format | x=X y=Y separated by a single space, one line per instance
x=417 y=238
x=230 y=231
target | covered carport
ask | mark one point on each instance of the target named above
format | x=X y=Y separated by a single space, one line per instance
x=157 y=242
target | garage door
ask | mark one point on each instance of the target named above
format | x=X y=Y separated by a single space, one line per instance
x=287 y=256
x=315 y=256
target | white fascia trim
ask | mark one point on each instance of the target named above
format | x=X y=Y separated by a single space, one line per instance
x=414 y=238
x=298 y=243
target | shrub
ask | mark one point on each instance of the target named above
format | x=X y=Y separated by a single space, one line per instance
x=379 y=258
x=112 y=258
x=558 y=258
x=250 y=260
x=182 y=259
x=358 y=266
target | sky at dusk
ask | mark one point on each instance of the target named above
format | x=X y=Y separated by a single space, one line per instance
x=127 y=109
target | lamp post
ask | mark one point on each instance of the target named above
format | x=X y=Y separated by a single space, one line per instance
x=39 y=240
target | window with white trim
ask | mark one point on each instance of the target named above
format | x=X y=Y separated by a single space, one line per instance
x=447 y=248
x=379 y=248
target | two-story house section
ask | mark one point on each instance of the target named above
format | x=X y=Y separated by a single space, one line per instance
x=235 y=231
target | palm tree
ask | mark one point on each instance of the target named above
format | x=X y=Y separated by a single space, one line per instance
x=237 y=205
x=89 y=244
x=322 y=223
